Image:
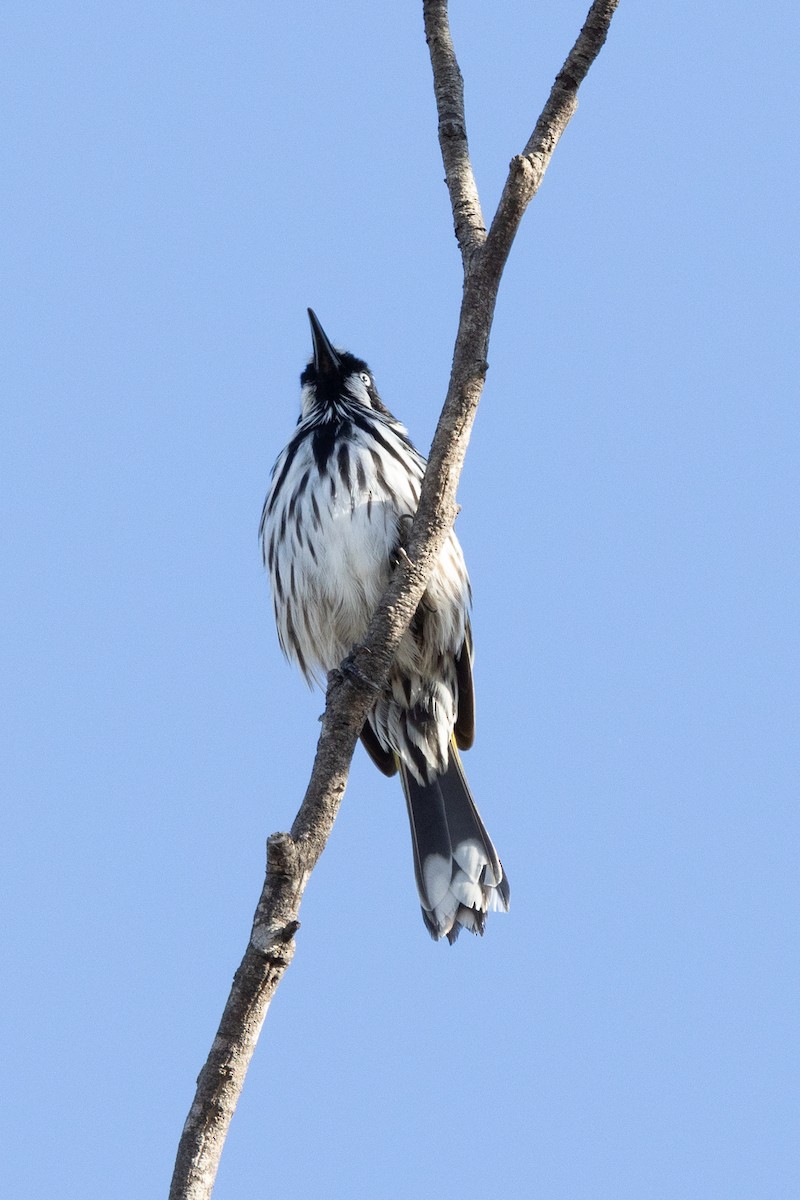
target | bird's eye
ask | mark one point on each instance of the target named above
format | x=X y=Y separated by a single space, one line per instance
x=364 y=376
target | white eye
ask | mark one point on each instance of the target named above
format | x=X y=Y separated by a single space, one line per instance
x=364 y=376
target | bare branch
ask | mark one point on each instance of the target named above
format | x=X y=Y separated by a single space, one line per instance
x=220 y=1082
x=448 y=86
x=527 y=169
x=292 y=857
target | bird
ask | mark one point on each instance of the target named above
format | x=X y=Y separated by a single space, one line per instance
x=341 y=497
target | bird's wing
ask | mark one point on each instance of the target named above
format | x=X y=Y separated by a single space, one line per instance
x=464 y=730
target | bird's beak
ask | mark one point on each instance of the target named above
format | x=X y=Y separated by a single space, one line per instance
x=326 y=359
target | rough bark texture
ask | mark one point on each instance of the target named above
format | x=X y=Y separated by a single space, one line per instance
x=448 y=86
x=291 y=857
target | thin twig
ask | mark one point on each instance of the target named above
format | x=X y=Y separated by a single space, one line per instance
x=527 y=169
x=448 y=86
x=292 y=857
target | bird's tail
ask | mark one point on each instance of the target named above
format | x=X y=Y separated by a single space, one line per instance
x=459 y=876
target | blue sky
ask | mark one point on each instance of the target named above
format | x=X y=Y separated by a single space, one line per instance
x=181 y=183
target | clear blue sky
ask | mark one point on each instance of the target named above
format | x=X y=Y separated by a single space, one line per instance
x=181 y=182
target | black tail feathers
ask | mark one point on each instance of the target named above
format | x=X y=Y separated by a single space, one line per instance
x=459 y=876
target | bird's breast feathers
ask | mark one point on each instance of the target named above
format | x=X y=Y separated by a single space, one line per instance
x=329 y=533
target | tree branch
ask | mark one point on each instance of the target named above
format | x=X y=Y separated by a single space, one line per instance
x=291 y=857
x=448 y=86
x=527 y=169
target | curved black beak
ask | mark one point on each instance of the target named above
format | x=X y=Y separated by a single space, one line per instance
x=326 y=359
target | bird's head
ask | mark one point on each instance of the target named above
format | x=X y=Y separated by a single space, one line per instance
x=335 y=380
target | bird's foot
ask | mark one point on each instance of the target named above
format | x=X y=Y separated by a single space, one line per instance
x=404 y=523
x=349 y=669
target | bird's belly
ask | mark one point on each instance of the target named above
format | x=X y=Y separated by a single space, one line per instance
x=330 y=565
x=350 y=576
x=330 y=544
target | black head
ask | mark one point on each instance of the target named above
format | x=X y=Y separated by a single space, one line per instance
x=335 y=378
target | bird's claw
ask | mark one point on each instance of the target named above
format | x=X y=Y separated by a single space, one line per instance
x=404 y=523
x=349 y=669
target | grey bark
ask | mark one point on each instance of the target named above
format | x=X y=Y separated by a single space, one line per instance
x=291 y=857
